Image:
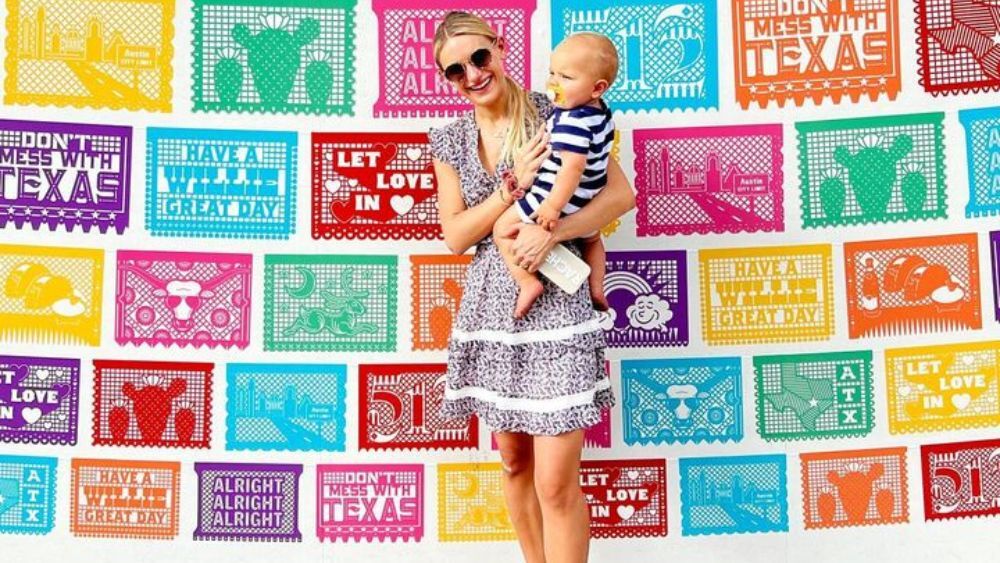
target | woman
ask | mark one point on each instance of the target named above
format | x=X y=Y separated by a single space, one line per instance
x=537 y=381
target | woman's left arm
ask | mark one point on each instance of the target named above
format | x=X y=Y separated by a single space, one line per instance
x=534 y=243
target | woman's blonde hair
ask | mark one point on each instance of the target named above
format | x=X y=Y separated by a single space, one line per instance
x=524 y=119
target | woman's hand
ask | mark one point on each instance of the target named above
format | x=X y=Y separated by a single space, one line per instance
x=530 y=157
x=531 y=245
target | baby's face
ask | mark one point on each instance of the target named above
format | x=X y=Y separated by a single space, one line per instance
x=571 y=76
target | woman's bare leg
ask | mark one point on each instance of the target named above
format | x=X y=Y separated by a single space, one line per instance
x=565 y=519
x=516 y=455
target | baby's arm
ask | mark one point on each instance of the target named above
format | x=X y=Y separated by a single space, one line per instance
x=567 y=179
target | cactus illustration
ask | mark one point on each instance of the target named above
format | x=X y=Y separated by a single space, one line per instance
x=872 y=170
x=118 y=420
x=440 y=317
x=184 y=422
x=884 y=502
x=274 y=54
x=319 y=78
x=151 y=404
x=855 y=489
x=228 y=75
x=914 y=187
x=826 y=505
x=832 y=195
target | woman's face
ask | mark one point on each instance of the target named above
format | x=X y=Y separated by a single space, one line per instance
x=481 y=86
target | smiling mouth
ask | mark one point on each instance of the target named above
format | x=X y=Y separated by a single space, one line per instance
x=482 y=86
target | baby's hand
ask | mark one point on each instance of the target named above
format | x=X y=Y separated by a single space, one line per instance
x=547 y=217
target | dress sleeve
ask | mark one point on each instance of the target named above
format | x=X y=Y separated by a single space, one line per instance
x=572 y=134
x=444 y=145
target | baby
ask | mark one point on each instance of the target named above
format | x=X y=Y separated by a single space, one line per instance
x=582 y=68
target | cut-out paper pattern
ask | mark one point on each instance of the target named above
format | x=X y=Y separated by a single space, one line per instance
x=949 y=387
x=67 y=174
x=248 y=502
x=995 y=259
x=708 y=180
x=219 y=183
x=814 y=396
x=908 y=286
x=39 y=400
x=647 y=294
x=163 y=404
x=854 y=488
x=400 y=408
x=667 y=50
x=470 y=503
x=961 y=479
x=183 y=298
x=330 y=303
x=124 y=498
x=410 y=82
x=90 y=53
x=813 y=49
x=681 y=400
x=982 y=143
x=737 y=494
x=373 y=186
x=369 y=501
x=274 y=56
x=27 y=494
x=436 y=281
x=625 y=498
x=958 y=46
x=766 y=294
x=872 y=170
x=51 y=294
x=294 y=407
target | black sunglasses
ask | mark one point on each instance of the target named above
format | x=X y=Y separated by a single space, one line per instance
x=481 y=58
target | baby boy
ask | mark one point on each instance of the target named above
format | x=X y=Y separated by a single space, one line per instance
x=582 y=68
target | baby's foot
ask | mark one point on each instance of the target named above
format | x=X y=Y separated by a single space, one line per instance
x=598 y=298
x=530 y=290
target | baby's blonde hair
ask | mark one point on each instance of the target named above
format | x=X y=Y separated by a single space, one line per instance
x=607 y=53
x=524 y=119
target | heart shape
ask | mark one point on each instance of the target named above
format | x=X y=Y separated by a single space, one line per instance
x=342 y=210
x=961 y=400
x=42 y=374
x=332 y=186
x=625 y=511
x=421 y=216
x=633 y=474
x=328 y=155
x=968 y=359
x=903 y=391
x=353 y=182
x=414 y=153
x=31 y=414
x=401 y=204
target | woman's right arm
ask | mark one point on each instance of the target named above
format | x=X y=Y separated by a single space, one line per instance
x=463 y=227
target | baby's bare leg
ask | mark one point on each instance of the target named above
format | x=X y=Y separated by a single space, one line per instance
x=530 y=287
x=595 y=257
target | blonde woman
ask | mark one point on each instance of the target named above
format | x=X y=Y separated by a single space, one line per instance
x=539 y=381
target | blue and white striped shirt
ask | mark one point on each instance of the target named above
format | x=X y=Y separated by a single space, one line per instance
x=583 y=130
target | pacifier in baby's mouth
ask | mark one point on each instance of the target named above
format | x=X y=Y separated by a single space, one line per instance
x=555 y=94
